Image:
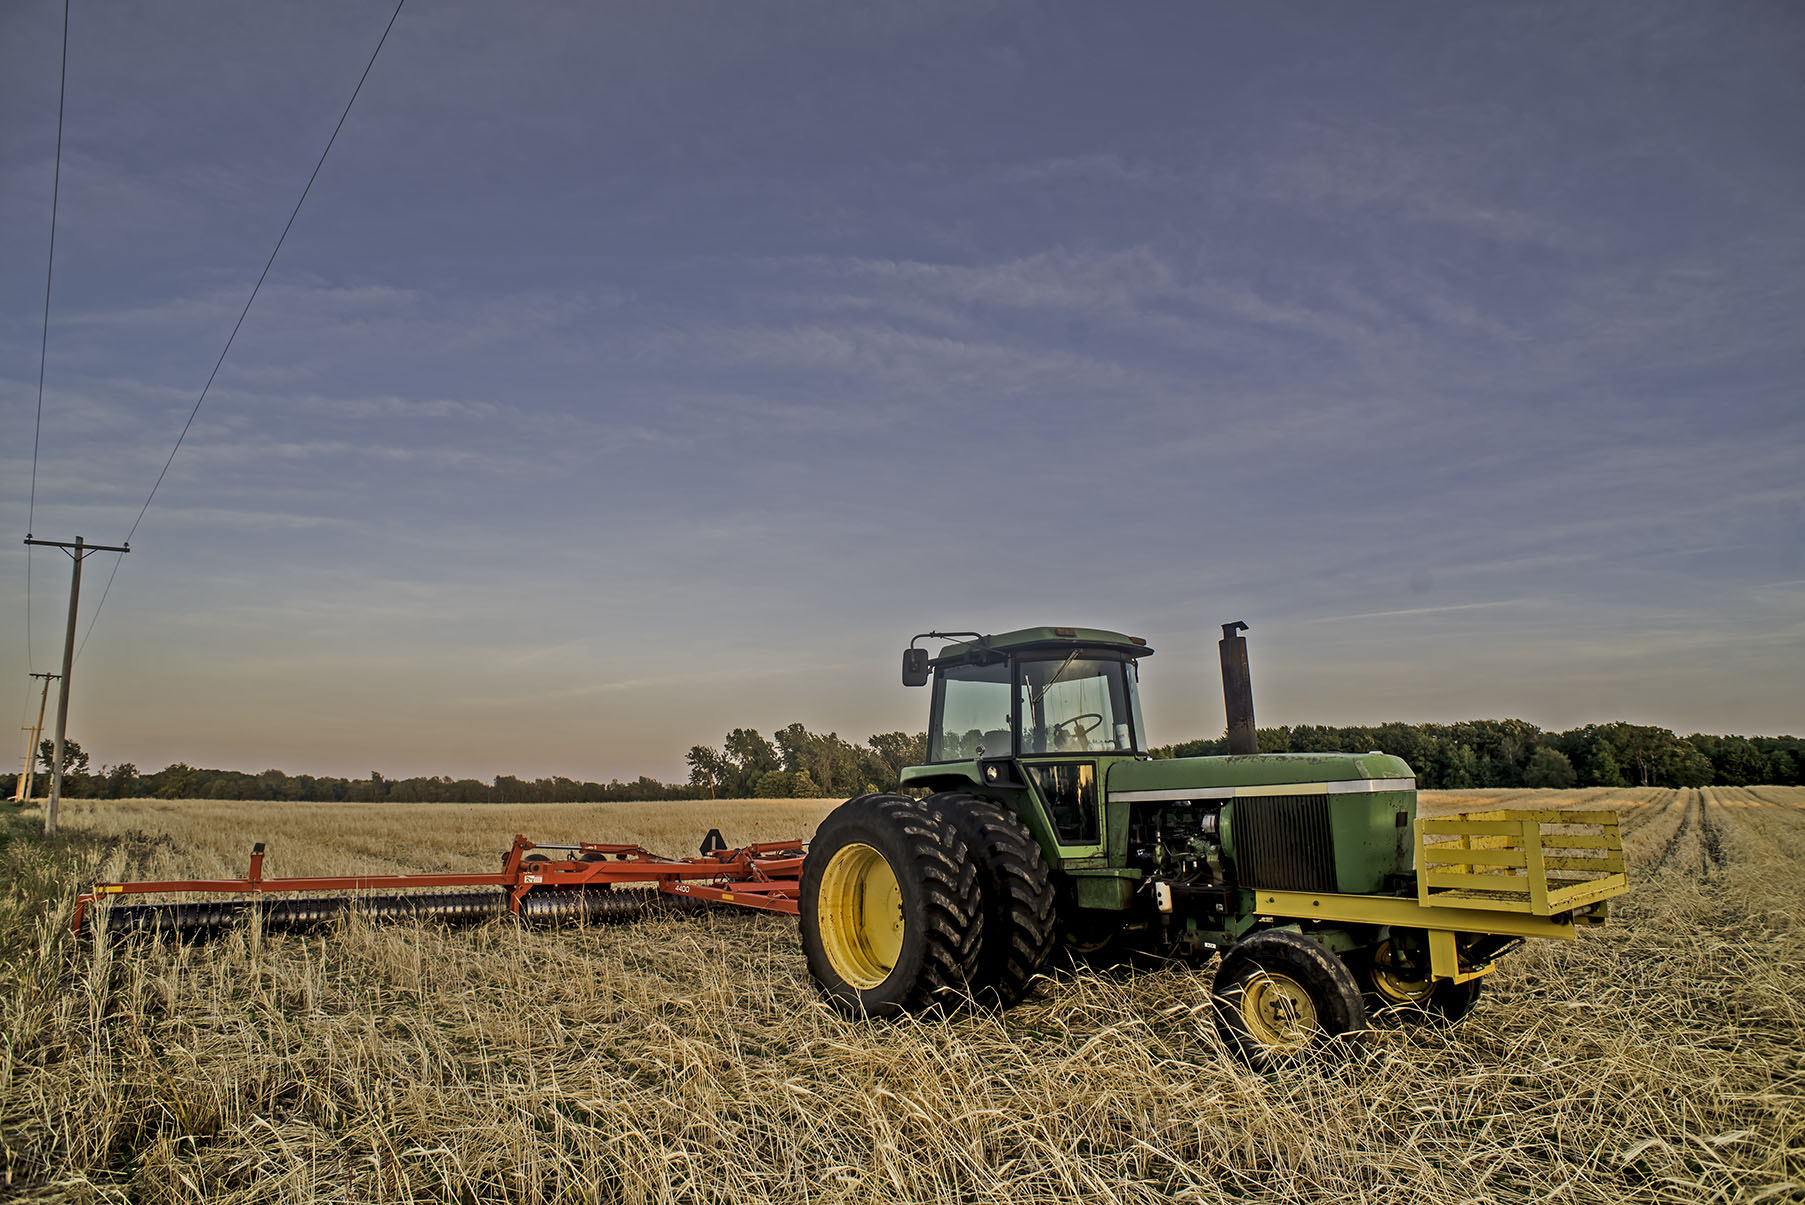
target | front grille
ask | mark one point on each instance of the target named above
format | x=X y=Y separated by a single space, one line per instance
x=1283 y=842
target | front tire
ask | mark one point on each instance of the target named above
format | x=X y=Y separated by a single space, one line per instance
x=891 y=908
x=1278 y=993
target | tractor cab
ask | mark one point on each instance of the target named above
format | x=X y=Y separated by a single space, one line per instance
x=1041 y=712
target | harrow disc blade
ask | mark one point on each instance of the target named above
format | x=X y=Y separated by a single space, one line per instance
x=582 y=907
x=202 y=920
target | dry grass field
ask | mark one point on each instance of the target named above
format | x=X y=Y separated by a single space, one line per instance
x=686 y=1058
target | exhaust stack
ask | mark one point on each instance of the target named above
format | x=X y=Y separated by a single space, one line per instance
x=1237 y=689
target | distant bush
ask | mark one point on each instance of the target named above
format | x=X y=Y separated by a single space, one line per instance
x=1549 y=768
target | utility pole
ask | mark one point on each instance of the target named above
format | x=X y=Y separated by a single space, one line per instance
x=37 y=733
x=77 y=551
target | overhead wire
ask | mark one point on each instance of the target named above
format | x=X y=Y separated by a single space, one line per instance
x=37 y=431
x=268 y=264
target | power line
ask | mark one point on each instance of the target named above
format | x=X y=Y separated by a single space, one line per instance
x=268 y=264
x=265 y=273
x=56 y=186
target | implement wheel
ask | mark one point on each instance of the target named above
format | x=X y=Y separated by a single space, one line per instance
x=891 y=908
x=1398 y=984
x=1278 y=993
x=1017 y=896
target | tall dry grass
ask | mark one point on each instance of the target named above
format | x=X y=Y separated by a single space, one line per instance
x=687 y=1059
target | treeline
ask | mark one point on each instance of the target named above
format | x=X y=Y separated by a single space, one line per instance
x=182 y=781
x=799 y=764
x=1516 y=753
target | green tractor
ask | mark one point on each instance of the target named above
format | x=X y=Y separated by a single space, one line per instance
x=1047 y=826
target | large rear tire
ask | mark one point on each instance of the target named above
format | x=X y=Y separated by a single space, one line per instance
x=1279 y=994
x=891 y=908
x=1017 y=896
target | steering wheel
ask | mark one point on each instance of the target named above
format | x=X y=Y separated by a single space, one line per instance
x=1096 y=722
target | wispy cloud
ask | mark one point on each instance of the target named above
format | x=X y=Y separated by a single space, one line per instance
x=1332 y=167
x=1437 y=610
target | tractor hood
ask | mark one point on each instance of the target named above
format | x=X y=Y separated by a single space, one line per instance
x=1248 y=774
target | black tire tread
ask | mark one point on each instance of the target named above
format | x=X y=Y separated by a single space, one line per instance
x=1449 y=1003
x=1020 y=910
x=1340 y=1008
x=950 y=920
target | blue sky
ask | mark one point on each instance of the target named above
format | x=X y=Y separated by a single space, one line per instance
x=635 y=371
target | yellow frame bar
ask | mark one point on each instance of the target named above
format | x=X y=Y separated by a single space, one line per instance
x=1442 y=924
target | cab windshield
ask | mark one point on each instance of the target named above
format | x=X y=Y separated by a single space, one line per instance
x=1074 y=704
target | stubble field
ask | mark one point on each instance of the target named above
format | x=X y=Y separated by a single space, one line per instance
x=686 y=1058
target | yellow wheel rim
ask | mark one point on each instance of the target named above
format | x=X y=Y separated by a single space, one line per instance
x=1278 y=1011
x=860 y=912
x=1398 y=982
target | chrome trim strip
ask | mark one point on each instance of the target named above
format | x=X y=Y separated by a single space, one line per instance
x=1352 y=786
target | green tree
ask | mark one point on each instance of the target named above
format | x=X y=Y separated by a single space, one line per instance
x=1502 y=748
x=1687 y=768
x=1412 y=742
x=830 y=763
x=894 y=750
x=75 y=761
x=785 y=784
x=1781 y=768
x=1460 y=768
x=174 y=782
x=1602 y=769
x=1653 y=757
x=751 y=755
x=1549 y=768
x=119 y=782
x=1738 y=763
x=1203 y=747
x=708 y=770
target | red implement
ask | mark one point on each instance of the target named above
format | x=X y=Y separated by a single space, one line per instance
x=766 y=875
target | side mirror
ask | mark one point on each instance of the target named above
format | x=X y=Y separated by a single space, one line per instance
x=915 y=667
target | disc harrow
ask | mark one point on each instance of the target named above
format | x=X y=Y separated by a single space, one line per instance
x=545 y=884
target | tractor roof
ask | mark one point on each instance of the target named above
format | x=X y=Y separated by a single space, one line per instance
x=1050 y=639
